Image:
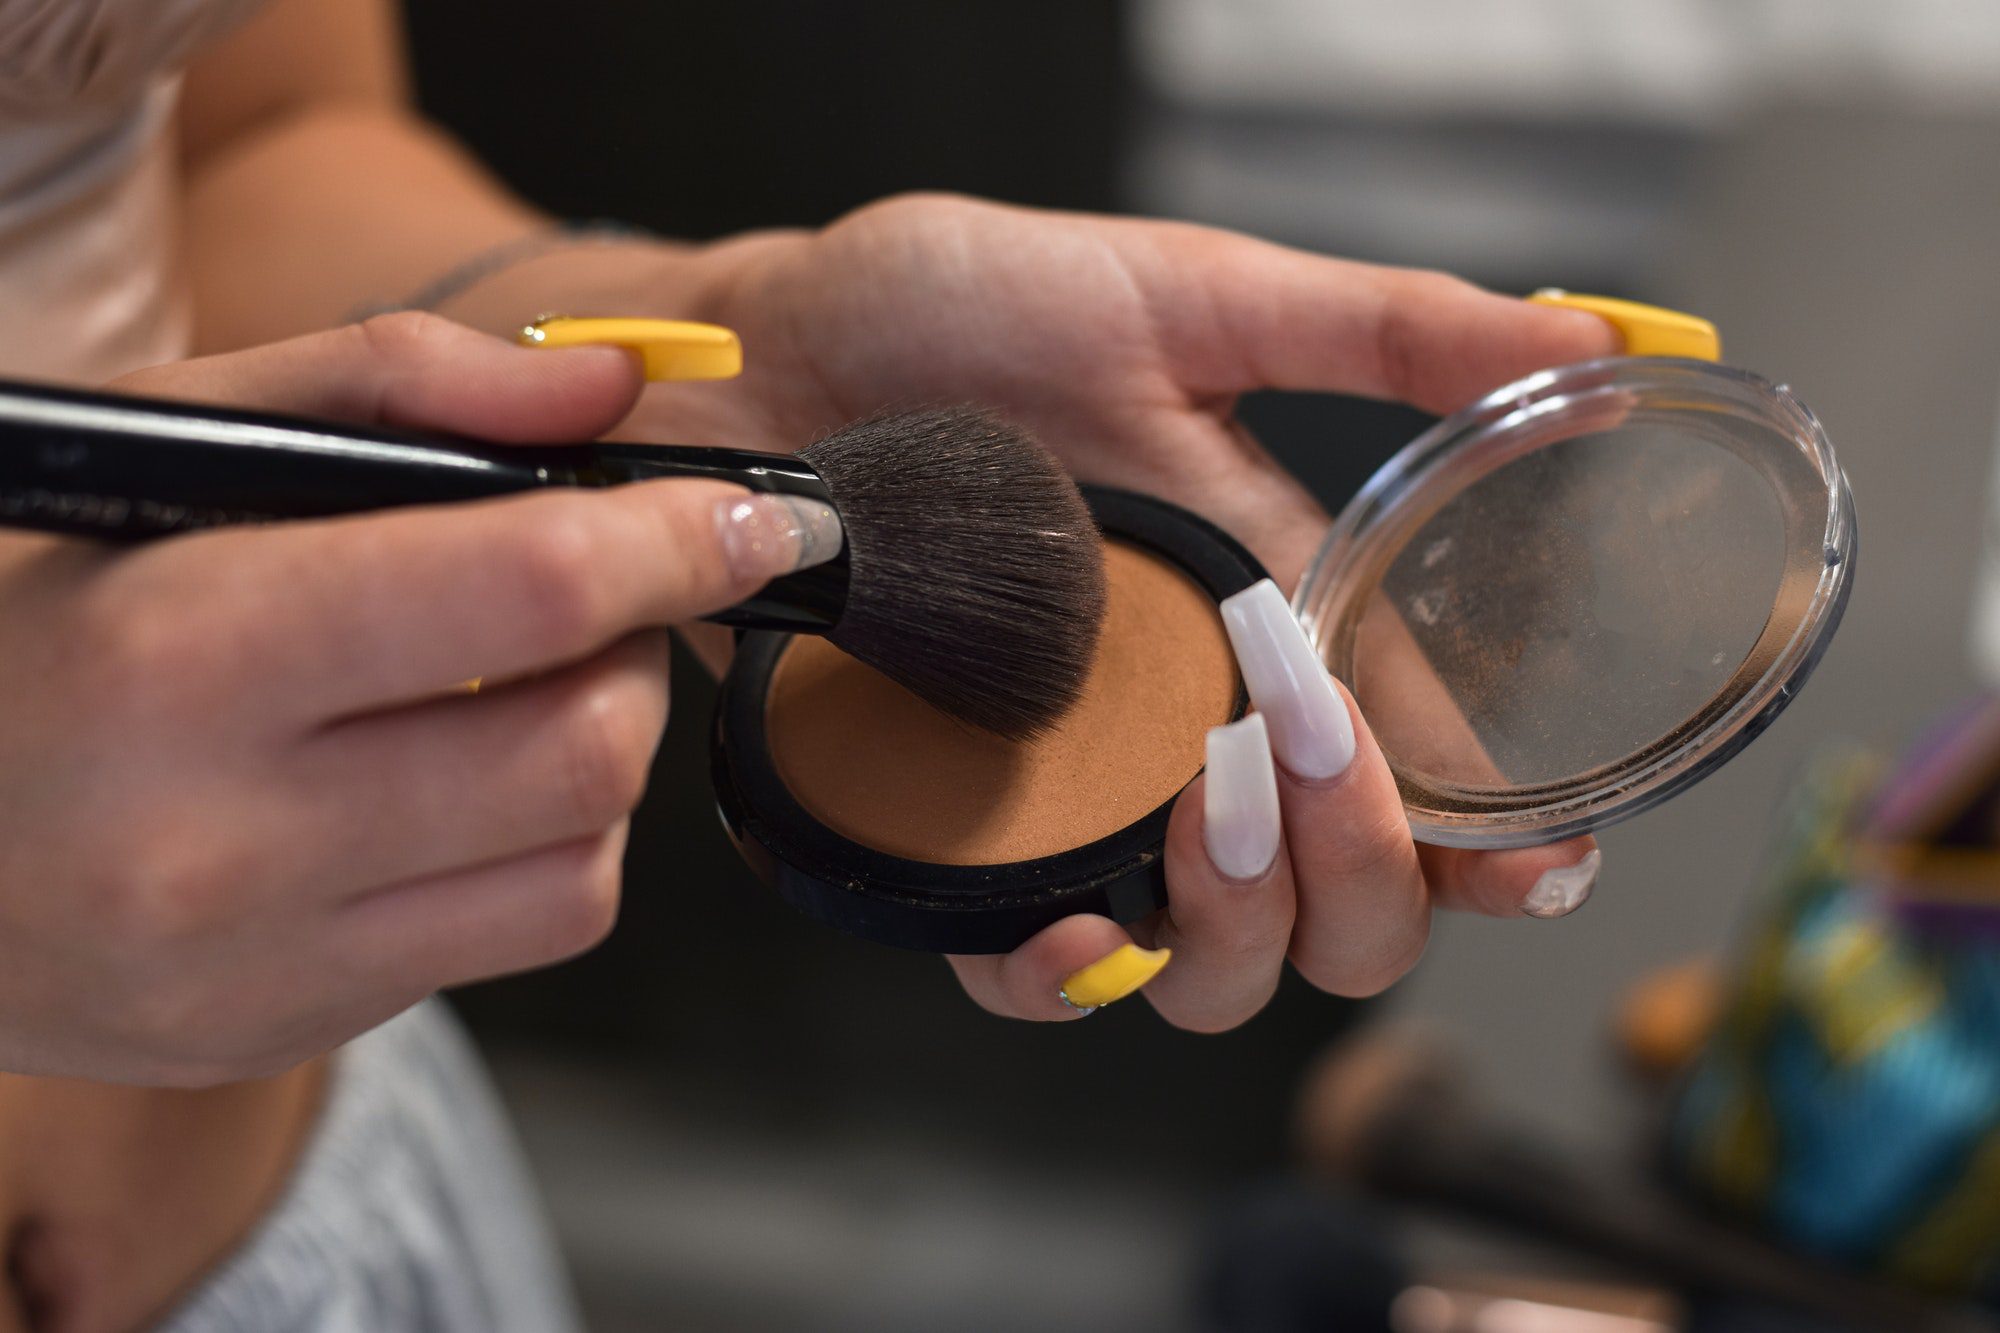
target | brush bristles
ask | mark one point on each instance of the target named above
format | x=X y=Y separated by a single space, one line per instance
x=976 y=573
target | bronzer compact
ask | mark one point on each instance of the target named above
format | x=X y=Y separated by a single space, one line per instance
x=870 y=810
x=1556 y=608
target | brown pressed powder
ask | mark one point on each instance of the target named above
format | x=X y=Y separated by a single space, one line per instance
x=878 y=765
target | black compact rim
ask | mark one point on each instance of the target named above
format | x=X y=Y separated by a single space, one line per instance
x=954 y=908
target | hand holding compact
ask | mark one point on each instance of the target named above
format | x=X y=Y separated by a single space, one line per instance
x=1124 y=345
x=1291 y=846
x=247 y=807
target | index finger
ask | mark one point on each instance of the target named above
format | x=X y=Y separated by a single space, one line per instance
x=1237 y=314
x=359 y=613
x=414 y=370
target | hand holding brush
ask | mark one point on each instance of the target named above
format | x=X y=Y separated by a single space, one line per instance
x=941 y=546
x=243 y=814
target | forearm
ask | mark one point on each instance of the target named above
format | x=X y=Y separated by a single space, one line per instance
x=315 y=190
x=299 y=224
x=350 y=208
x=312 y=187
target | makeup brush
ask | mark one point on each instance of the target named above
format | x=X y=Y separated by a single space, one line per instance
x=971 y=573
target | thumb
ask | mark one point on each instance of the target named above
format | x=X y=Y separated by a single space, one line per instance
x=375 y=610
x=415 y=371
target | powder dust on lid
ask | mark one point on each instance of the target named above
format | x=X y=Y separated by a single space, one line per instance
x=878 y=765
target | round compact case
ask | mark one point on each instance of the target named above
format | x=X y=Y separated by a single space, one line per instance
x=872 y=812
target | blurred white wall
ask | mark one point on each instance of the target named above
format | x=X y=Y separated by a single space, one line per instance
x=1508 y=139
x=1672 y=61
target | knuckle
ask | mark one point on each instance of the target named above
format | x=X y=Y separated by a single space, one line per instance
x=189 y=1034
x=147 y=382
x=402 y=334
x=1258 y=952
x=585 y=907
x=1209 y=1023
x=1235 y=989
x=1404 y=358
x=1242 y=938
x=159 y=1016
x=911 y=209
x=698 y=575
x=1359 y=974
x=168 y=894
x=1212 y=1013
x=608 y=754
x=1388 y=971
x=1376 y=855
x=912 y=201
x=556 y=573
x=1423 y=286
x=132 y=657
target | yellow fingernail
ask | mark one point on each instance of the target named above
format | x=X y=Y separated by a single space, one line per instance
x=1113 y=977
x=1648 y=330
x=472 y=686
x=669 y=349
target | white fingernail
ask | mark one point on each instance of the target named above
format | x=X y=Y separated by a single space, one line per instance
x=1562 y=890
x=1311 y=733
x=1239 y=824
x=764 y=536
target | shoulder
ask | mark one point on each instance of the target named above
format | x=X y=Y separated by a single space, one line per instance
x=57 y=54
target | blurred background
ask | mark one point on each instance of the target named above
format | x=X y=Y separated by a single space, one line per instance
x=744 y=1121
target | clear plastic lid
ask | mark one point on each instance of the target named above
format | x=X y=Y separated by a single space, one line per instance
x=1584 y=593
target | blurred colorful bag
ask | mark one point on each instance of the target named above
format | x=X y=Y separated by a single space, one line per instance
x=1848 y=1104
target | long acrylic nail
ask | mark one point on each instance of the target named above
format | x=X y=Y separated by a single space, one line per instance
x=1311 y=733
x=1562 y=890
x=1645 y=330
x=1240 y=820
x=764 y=536
x=1113 y=977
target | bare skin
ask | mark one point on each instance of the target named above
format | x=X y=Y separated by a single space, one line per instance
x=130 y=1194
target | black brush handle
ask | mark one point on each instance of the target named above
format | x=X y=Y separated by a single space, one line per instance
x=129 y=469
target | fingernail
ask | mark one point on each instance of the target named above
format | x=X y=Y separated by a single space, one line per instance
x=1311 y=733
x=764 y=536
x=1113 y=977
x=667 y=349
x=1646 y=330
x=1562 y=890
x=1240 y=821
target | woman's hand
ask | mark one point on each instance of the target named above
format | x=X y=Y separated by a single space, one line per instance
x=247 y=808
x=1125 y=345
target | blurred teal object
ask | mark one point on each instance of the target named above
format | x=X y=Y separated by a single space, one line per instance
x=1848 y=1103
